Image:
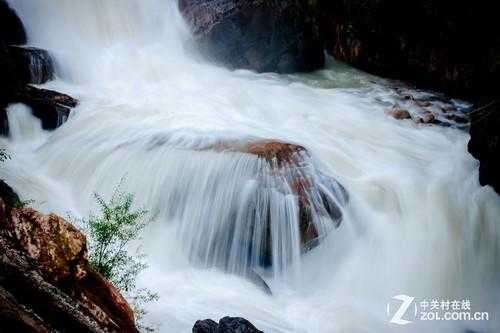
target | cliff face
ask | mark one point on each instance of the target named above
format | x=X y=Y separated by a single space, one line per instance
x=46 y=283
x=445 y=45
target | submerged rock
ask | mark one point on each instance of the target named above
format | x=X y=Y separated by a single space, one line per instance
x=427 y=118
x=316 y=194
x=290 y=172
x=46 y=283
x=398 y=113
x=225 y=325
x=265 y=36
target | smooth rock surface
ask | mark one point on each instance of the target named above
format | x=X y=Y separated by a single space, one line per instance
x=265 y=36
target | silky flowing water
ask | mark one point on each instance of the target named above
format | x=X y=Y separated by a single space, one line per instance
x=416 y=223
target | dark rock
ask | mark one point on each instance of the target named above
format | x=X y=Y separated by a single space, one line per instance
x=11 y=28
x=265 y=36
x=226 y=325
x=8 y=195
x=52 y=107
x=205 y=326
x=47 y=282
x=445 y=45
x=398 y=113
x=32 y=65
x=485 y=140
x=16 y=318
x=236 y=325
x=291 y=168
x=23 y=65
x=289 y=159
x=427 y=118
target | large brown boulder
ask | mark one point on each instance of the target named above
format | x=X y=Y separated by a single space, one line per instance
x=46 y=283
x=287 y=164
x=265 y=36
x=289 y=169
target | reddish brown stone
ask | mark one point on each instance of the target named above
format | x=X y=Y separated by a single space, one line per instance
x=44 y=272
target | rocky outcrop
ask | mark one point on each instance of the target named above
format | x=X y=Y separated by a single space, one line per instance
x=11 y=28
x=46 y=283
x=265 y=36
x=225 y=325
x=31 y=65
x=22 y=66
x=8 y=195
x=485 y=140
x=444 y=45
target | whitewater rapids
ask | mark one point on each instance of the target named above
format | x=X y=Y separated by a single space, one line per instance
x=417 y=222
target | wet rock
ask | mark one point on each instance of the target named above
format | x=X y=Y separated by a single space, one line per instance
x=424 y=104
x=58 y=247
x=16 y=318
x=21 y=66
x=236 y=325
x=47 y=282
x=443 y=45
x=398 y=113
x=265 y=36
x=427 y=118
x=11 y=28
x=32 y=65
x=485 y=141
x=205 y=326
x=51 y=107
x=289 y=163
x=226 y=325
x=8 y=195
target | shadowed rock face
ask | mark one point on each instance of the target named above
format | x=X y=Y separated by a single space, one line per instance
x=445 y=45
x=32 y=65
x=485 y=141
x=21 y=66
x=11 y=28
x=46 y=283
x=265 y=36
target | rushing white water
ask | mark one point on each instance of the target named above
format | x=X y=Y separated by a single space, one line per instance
x=417 y=221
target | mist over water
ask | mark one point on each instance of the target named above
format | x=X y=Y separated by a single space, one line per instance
x=417 y=221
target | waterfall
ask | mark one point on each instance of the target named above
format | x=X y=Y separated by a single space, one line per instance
x=154 y=113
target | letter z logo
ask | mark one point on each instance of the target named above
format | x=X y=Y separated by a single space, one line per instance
x=398 y=316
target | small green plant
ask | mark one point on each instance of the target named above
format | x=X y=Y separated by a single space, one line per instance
x=110 y=234
x=23 y=203
x=4 y=156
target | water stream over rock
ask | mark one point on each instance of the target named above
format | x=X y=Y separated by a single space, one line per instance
x=392 y=207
